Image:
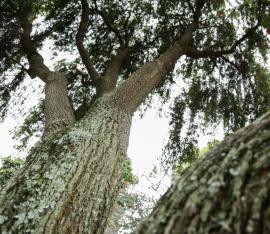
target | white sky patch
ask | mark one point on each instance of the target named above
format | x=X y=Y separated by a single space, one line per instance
x=7 y=143
x=147 y=139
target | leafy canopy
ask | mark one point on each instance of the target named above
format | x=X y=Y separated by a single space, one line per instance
x=230 y=88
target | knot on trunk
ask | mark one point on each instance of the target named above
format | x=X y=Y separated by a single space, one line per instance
x=37 y=67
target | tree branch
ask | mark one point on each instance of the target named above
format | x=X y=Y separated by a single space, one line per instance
x=193 y=53
x=79 y=41
x=182 y=208
x=118 y=60
x=140 y=84
x=37 y=66
x=109 y=79
x=126 y=29
x=231 y=63
x=28 y=71
x=109 y=25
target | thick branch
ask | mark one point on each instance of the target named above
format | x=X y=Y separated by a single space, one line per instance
x=139 y=85
x=27 y=43
x=37 y=66
x=117 y=61
x=225 y=191
x=193 y=53
x=58 y=110
x=108 y=81
x=79 y=41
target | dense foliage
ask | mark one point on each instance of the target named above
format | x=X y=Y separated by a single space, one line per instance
x=223 y=78
x=9 y=167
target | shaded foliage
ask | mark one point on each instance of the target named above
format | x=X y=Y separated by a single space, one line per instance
x=231 y=89
x=9 y=166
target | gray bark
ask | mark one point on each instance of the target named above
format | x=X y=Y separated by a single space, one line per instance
x=140 y=84
x=58 y=110
x=70 y=182
x=226 y=191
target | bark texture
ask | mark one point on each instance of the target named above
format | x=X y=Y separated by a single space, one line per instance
x=226 y=191
x=70 y=182
x=58 y=110
x=141 y=83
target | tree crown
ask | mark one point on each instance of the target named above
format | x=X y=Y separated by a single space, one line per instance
x=223 y=76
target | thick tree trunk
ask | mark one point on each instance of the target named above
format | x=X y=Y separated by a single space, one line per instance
x=58 y=110
x=226 y=191
x=70 y=182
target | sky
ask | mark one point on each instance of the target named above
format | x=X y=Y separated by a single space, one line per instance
x=147 y=138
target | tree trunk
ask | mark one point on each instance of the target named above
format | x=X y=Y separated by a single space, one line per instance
x=70 y=182
x=58 y=110
x=226 y=191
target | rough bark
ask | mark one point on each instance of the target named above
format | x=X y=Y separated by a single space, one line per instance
x=70 y=182
x=58 y=110
x=140 y=84
x=226 y=191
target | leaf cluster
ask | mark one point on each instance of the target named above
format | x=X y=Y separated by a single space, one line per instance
x=232 y=89
x=9 y=166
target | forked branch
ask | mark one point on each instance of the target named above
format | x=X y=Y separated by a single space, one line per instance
x=79 y=41
x=140 y=84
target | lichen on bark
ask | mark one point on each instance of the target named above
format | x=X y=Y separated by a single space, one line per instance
x=72 y=178
x=226 y=191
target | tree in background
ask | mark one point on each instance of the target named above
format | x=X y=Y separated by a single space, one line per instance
x=127 y=51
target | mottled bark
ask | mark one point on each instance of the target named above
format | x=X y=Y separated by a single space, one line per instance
x=70 y=182
x=226 y=191
x=140 y=84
